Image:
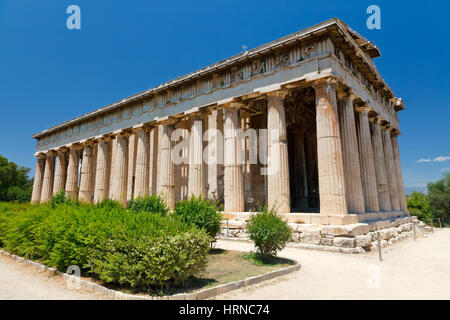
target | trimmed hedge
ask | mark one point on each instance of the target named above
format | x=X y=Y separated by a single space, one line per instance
x=202 y=213
x=151 y=204
x=114 y=244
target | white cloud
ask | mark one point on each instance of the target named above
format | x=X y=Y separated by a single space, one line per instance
x=438 y=159
x=445 y=169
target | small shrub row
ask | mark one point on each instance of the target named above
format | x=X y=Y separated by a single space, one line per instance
x=116 y=245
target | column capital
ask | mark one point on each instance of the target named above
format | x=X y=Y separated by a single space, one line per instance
x=142 y=127
x=40 y=155
x=75 y=146
x=329 y=81
x=51 y=153
x=384 y=125
x=88 y=142
x=168 y=120
x=346 y=95
x=123 y=132
x=364 y=108
x=104 y=138
x=62 y=149
x=232 y=106
x=279 y=94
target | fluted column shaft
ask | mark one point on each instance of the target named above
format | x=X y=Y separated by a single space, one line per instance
x=352 y=170
x=166 y=165
x=103 y=172
x=278 y=189
x=132 y=149
x=38 y=179
x=47 y=184
x=87 y=174
x=302 y=170
x=329 y=152
x=113 y=166
x=215 y=154
x=380 y=167
x=60 y=172
x=233 y=182
x=142 y=163
x=399 y=174
x=390 y=169
x=196 y=186
x=120 y=174
x=153 y=161
x=72 y=173
x=368 y=174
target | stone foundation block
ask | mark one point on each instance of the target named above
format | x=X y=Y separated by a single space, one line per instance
x=352 y=230
x=234 y=224
x=311 y=237
x=383 y=225
x=327 y=240
x=344 y=242
x=364 y=241
x=387 y=234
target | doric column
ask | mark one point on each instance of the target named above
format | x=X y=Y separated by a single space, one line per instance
x=278 y=189
x=380 y=166
x=368 y=175
x=329 y=152
x=120 y=173
x=233 y=183
x=312 y=172
x=132 y=149
x=352 y=170
x=72 y=171
x=153 y=161
x=390 y=169
x=47 y=184
x=103 y=172
x=166 y=184
x=60 y=171
x=141 y=183
x=38 y=178
x=300 y=173
x=215 y=156
x=399 y=174
x=87 y=174
x=196 y=186
x=113 y=164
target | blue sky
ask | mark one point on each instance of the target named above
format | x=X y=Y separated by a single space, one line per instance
x=50 y=74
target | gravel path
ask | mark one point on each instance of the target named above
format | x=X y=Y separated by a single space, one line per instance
x=409 y=270
x=19 y=281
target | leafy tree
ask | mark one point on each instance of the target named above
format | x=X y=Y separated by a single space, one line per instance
x=14 y=182
x=439 y=197
x=419 y=205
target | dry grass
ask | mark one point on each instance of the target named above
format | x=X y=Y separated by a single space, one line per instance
x=226 y=266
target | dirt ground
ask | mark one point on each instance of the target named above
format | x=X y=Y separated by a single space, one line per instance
x=20 y=281
x=409 y=270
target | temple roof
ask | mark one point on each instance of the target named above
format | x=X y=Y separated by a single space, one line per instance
x=362 y=51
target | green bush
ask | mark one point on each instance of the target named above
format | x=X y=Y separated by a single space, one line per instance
x=419 y=205
x=269 y=232
x=106 y=241
x=60 y=198
x=109 y=204
x=149 y=204
x=199 y=212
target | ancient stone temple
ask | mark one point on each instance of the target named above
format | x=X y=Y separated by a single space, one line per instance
x=305 y=123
